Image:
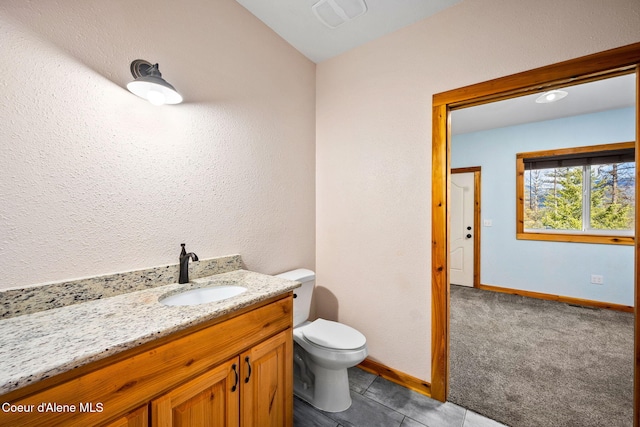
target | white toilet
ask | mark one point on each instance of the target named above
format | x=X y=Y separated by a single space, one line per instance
x=323 y=350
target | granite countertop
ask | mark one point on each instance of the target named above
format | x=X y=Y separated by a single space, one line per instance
x=43 y=344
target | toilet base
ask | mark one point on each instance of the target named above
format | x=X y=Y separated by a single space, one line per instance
x=330 y=391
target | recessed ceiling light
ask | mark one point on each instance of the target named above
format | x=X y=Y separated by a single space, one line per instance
x=334 y=13
x=551 y=96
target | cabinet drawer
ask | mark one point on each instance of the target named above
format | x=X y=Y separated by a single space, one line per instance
x=133 y=381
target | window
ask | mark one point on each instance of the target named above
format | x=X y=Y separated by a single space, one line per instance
x=582 y=194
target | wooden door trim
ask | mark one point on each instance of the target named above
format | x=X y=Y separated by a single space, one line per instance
x=622 y=60
x=476 y=170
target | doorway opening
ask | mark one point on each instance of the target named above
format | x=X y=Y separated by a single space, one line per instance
x=615 y=62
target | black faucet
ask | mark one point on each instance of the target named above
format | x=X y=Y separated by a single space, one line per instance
x=184 y=264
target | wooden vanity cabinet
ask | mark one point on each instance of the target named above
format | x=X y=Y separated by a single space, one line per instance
x=212 y=399
x=249 y=390
x=234 y=372
x=267 y=369
x=136 y=418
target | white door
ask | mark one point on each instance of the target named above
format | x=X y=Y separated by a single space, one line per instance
x=461 y=231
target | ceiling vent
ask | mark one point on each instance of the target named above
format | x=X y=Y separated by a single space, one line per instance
x=334 y=13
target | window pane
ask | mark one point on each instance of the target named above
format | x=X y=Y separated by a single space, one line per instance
x=553 y=199
x=578 y=194
x=613 y=196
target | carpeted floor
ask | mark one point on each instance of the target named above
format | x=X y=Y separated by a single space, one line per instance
x=528 y=362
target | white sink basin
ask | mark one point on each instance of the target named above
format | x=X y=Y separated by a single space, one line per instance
x=203 y=295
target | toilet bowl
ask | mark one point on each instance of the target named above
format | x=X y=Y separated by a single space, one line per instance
x=323 y=351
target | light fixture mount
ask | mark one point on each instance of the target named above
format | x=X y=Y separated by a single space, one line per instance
x=140 y=68
x=150 y=85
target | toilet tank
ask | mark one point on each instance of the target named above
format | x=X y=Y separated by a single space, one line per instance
x=302 y=295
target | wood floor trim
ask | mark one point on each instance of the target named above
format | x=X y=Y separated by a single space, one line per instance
x=559 y=298
x=405 y=380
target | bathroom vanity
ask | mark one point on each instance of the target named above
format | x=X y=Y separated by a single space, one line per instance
x=129 y=360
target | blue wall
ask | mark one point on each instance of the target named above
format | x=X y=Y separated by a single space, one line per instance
x=556 y=268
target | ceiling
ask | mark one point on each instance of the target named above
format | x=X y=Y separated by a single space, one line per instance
x=601 y=95
x=295 y=21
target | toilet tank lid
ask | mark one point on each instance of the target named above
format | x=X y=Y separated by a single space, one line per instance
x=299 y=275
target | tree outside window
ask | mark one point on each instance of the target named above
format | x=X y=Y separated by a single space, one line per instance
x=583 y=194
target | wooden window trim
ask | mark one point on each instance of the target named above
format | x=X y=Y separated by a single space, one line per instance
x=522 y=234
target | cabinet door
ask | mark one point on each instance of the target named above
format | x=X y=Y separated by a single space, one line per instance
x=267 y=383
x=137 y=418
x=210 y=400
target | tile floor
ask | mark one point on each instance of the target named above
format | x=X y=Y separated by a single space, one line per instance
x=381 y=403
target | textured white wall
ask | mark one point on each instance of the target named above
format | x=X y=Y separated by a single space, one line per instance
x=94 y=180
x=374 y=153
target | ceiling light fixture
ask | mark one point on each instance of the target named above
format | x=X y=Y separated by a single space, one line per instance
x=334 y=13
x=551 y=96
x=150 y=85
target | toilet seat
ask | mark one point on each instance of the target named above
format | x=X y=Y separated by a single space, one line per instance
x=333 y=335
